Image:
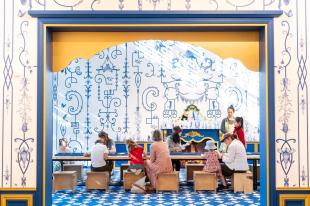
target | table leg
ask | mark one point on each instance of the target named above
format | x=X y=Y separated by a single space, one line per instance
x=255 y=174
x=62 y=165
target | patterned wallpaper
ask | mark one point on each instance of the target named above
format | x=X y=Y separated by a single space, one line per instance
x=130 y=89
x=18 y=80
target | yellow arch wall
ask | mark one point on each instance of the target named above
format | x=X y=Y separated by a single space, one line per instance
x=240 y=45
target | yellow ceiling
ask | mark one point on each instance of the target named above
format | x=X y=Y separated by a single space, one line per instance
x=240 y=45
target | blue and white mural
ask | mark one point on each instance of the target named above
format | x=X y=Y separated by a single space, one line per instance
x=130 y=89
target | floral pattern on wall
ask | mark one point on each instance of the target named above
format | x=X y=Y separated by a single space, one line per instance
x=19 y=72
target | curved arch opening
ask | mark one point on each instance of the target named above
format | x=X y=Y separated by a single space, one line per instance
x=132 y=88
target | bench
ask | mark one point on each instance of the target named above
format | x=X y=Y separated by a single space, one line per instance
x=98 y=180
x=205 y=181
x=243 y=182
x=168 y=182
x=190 y=168
x=74 y=167
x=64 y=180
x=129 y=178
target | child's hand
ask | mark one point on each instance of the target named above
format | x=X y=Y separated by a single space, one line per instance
x=219 y=154
x=178 y=149
x=144 y=155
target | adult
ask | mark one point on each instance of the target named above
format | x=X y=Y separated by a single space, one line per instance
x=160 y=161
x=104 y=137
x=98 y=156
x=174 y=145
x=228 y=123
x=109 y=143
x=235 y=159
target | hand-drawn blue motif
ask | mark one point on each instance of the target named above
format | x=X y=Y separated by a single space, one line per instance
x=150 y=106
x=132 y=88
x=286 y=150
x=107 y=81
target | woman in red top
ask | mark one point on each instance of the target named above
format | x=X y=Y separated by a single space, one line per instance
x=136 y=154
x=239 y=129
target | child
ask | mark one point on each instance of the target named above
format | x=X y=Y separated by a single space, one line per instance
x=63 y=146
x=136 y=154
x=239 y=130
x=212 y=164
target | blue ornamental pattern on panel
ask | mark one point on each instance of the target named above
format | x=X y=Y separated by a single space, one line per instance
x=136 y=87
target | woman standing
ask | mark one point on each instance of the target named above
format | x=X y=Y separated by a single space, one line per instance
x=160 y=161
x=228 y=123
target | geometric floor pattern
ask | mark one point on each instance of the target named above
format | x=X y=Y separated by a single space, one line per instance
x=117 y=196
x=186 y=196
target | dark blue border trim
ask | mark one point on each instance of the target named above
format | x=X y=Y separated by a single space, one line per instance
x=155 y=14
x=40 y=97
x=295 y=192
x=160 y=18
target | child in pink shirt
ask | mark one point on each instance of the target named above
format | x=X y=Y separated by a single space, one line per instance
x=212 y=164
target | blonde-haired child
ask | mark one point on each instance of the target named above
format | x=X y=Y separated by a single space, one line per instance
x=136 y=154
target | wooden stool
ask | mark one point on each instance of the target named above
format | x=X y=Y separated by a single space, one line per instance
x=190 y=168
x=97 y=180
x=242 y=181
x=123 y=168
x=205 y=181
x=64 y=180
x=130 y=178
x=248 y=185
x=74 y=167
x=168 y=182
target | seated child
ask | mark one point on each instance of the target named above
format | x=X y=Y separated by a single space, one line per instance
x=136 y=154
x=212 y=164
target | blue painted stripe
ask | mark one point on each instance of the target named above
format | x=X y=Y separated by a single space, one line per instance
x=188 y=19
x=155 y=14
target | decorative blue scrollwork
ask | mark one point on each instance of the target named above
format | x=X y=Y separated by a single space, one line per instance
x=286 y=158
x=75 y=146
x=24 y=155
x=88 y=85
x=72 y=71
x=70 y=95
x=121 y=87
x=107 y=81
x=150 y=106
x=126 y=86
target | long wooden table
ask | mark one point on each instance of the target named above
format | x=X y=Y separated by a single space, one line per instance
x=174 y=156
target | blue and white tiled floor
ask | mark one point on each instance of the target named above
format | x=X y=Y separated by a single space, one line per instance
x=186 y=196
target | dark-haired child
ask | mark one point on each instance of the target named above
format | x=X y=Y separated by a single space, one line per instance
x=238 y=131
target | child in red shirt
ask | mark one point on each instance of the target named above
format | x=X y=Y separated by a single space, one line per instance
x=239 y=129
x=136 y=154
